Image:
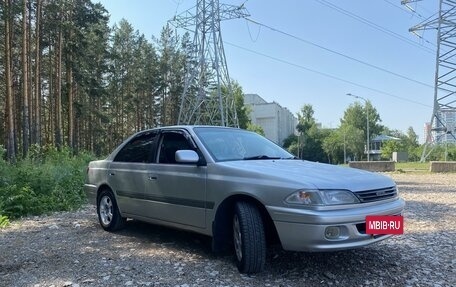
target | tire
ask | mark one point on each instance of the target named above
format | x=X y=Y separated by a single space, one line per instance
x=249 y=238
x=108 y=212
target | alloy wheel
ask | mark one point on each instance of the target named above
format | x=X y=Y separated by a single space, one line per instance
x=106 y=210
x=237 y=236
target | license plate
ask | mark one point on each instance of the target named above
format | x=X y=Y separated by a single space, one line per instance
x=384 y=224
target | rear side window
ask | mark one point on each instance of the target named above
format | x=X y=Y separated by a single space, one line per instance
x=138 y=149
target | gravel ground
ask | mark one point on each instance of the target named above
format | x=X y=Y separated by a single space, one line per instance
x=71 y=249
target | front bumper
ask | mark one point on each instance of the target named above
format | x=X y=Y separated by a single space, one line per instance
x=304 y=229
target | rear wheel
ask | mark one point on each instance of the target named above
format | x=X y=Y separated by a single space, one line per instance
x=108 y=212
x=249 y=238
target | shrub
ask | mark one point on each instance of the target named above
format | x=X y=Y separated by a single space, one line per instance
x=17 y=201
x=47 y=180
x=4 y=222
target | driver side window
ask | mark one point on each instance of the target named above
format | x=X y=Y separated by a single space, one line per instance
x=170 y=143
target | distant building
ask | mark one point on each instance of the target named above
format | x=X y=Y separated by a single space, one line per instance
x=375 y=149
x=448 y=116
x=277 y=122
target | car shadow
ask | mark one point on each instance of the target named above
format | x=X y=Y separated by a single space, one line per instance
x=341 y=266
x=166 y=236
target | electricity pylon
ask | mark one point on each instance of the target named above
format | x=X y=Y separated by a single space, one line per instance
x=443 y=120
x=207 y=98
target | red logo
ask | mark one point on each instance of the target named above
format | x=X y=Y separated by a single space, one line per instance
x=384 y=224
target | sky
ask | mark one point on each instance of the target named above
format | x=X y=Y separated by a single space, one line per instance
x=324 y=50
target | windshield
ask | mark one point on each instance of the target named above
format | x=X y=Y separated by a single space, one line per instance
x=233 y=144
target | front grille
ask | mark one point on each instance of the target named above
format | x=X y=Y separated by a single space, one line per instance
x=376 y=194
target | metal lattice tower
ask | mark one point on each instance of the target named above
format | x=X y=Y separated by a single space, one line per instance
x=443 y=120
x=207 y=98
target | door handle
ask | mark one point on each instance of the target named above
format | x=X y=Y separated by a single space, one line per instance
x=112 y=173
x=152 y=178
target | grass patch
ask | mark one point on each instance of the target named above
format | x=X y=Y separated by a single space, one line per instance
x=412 y=166
x=46 y=181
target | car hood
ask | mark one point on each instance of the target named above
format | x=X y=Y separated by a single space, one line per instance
x=311 y=174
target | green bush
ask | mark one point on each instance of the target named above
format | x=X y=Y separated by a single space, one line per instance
x=47 y=180
x=4 y=222
x=3 y=219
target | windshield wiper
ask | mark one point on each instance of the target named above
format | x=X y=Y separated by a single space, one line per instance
x=263 y=156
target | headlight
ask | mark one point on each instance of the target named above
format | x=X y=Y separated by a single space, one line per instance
x=322 y=197
x=306 y=197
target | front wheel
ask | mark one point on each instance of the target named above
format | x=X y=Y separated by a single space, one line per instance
x=108 y=212
x=249 y=238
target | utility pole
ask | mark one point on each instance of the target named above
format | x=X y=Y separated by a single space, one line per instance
x=345 y=151
x=443 y=118
x=367 y=124
x=207 y=98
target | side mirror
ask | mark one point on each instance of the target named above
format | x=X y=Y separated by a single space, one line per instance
x=186 y=156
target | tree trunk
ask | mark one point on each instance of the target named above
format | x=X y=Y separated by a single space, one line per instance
x=25 y=88
x=77 y=134
x=58 y=90
x=49 y=122
x=37 y=114
x=69 y=75
x=10 y=149
x=30 y=71
x=92 y=137
x=69 y=80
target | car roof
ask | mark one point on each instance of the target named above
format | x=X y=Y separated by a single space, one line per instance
x=189 y=127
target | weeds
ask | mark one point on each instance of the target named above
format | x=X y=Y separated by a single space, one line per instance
x=47 y=180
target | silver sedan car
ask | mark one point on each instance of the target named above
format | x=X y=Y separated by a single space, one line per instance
x=239 y=188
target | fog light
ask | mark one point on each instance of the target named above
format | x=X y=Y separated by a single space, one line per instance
x=332 y=232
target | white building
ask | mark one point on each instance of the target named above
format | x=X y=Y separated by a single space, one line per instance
x=277 y=122
x=448 y=116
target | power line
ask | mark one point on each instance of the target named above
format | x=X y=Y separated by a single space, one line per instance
x=325 y=74
x=340 y=54
x=408 y=11
x=376 y=26
x=407 y=2
x=250 y=33
x=412 y=11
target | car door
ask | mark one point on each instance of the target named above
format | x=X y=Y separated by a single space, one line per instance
x=176 y=192
x=128 y=172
